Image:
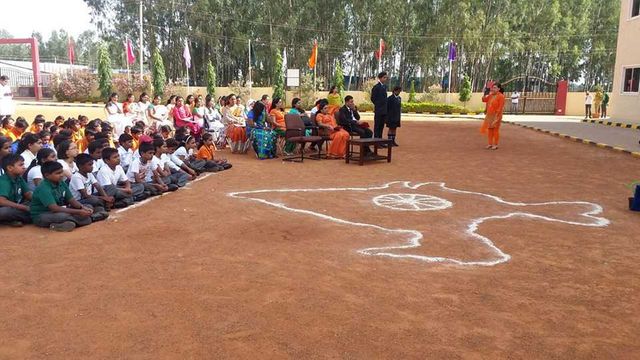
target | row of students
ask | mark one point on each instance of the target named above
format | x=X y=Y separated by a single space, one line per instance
x=85 y=186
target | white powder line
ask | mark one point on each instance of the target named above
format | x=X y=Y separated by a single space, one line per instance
x=415 y=236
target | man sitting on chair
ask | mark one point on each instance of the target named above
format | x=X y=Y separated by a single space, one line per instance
x=349 y=119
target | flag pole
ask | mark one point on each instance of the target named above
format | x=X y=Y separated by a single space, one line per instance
x=380 y=56
x=250 y=82
x=315 y=65
x=141 y=39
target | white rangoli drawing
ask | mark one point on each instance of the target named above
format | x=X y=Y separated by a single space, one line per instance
x=422 y=213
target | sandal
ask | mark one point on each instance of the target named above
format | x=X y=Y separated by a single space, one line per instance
x=494 y=147
x=489 y=147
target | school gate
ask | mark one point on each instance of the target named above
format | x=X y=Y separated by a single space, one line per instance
x=537 y=96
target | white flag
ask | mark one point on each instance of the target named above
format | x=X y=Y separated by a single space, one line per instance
x=186 y=54
x=284 y=62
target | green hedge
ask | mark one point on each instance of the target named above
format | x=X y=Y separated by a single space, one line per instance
x=424 y=107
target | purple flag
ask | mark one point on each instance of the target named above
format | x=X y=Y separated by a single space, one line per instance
x=453 y=51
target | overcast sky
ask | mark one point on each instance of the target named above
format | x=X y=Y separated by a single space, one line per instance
x=22 y=17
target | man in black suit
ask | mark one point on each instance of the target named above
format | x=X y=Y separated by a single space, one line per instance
x=379 y=100
x=349 y=119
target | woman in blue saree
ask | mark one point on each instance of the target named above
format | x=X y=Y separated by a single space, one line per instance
x=264 y=139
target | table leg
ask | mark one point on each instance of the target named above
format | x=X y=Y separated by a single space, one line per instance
x=361 y=156
x=389 y=147
x=346 y=158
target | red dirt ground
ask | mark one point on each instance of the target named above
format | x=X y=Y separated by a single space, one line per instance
x=198 y=274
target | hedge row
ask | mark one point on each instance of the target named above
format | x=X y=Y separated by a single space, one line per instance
x=424 y=107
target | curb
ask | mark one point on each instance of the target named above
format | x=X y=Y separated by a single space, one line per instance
x=66 y=104
x=613 y=124
x=432 y=113
x=635 y=154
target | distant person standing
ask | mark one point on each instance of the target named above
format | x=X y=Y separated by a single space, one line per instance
x=588 y=101
x=394 y=113
x=6 y=98
x=379 y=100
x=515 y=100
x=603 y=107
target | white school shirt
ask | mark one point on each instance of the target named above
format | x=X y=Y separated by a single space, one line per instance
x=34 y=173
x=138 y=167
x=155 y=162
x=66 y=167
x=181 y=151
x=166 y=160
x=588 y=100
x=107 y=176
x=515 y=97
x=28 y=157
x=79 y=182
x=126 y=156
x=97 y=165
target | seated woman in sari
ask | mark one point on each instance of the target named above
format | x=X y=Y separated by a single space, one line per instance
x=144 y=105
x=335 y=100
x=198 y=111
x=125 y=105
x=264 y=139
x=339 y=137
x=115 y=114
x=189 y=101
x=213 y=122
x=235 y=121
x=276 y=116
x=158 y=115
x=183 y=118
x=171 y=103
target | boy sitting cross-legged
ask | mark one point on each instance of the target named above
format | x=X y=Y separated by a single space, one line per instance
x=140 y=171
x=14 y=192
x=115 y=182
x=166 y=170
x=125 y=151
x=82 y=187
x=53 y=206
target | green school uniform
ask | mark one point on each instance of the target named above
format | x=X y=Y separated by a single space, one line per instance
x=13 y=189
x=47 y=194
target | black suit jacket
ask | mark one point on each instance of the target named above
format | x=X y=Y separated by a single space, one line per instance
x=394 y=108
x=379 y=98
x=346 y=120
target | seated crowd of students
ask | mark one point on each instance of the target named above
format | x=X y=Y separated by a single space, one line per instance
x=69 y=173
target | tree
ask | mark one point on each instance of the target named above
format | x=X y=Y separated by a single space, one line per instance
x=104 y=71
x=211 y=79
x=412 y=92
x=157 y=72
x=339 y=80
x=465 y=91
x=278 y=77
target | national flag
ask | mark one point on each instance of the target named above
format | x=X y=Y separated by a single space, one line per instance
x=314 y=55
x=378 y=53
x=453 y=51
x=131 y=58
x=186 y=54
x=71 y=51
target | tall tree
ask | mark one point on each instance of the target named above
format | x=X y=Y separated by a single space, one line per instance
x=104 y=71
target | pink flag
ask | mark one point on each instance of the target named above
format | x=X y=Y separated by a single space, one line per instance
x=186 y=54
x=131 y=58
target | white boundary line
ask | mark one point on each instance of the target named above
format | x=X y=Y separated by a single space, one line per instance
x=415 y=236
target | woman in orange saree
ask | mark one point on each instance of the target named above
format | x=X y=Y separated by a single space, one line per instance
x=339 y=136
x=493 y=116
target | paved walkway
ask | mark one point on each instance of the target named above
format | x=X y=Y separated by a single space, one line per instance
x=616 y=138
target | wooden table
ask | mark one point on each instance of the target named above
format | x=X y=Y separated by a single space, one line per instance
x=362 y=143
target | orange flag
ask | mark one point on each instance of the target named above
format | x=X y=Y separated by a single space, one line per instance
x=314 y=55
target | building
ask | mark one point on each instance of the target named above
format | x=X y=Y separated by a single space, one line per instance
x=625 y=95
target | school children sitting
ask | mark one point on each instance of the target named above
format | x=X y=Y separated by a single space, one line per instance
x=86 y=189
x=113 y=179
x=164 y=169
x=140 y=171
x=14 y=192
x=53 y=205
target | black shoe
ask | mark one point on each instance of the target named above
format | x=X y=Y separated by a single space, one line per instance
x=173 y=187
x=16 y=224
x=63 y=227
x=383 y=146
x=395 y=143
x=120 y=204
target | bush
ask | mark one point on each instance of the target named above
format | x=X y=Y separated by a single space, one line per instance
x=432 y=95
x=422 y=107
x=412 y=92
x=122 y=86
x=75 y=86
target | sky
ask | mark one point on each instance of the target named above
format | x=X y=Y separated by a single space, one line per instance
x=22 y=17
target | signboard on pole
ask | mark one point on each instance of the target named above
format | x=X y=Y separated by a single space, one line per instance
x=293 y=77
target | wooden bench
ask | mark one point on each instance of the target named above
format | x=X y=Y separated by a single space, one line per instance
x=362 y=143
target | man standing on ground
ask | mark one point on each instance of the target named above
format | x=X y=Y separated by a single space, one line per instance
x=6 y=98
x=379 y=100
x=515 y=99
x=588 y=101
x=605 y=103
